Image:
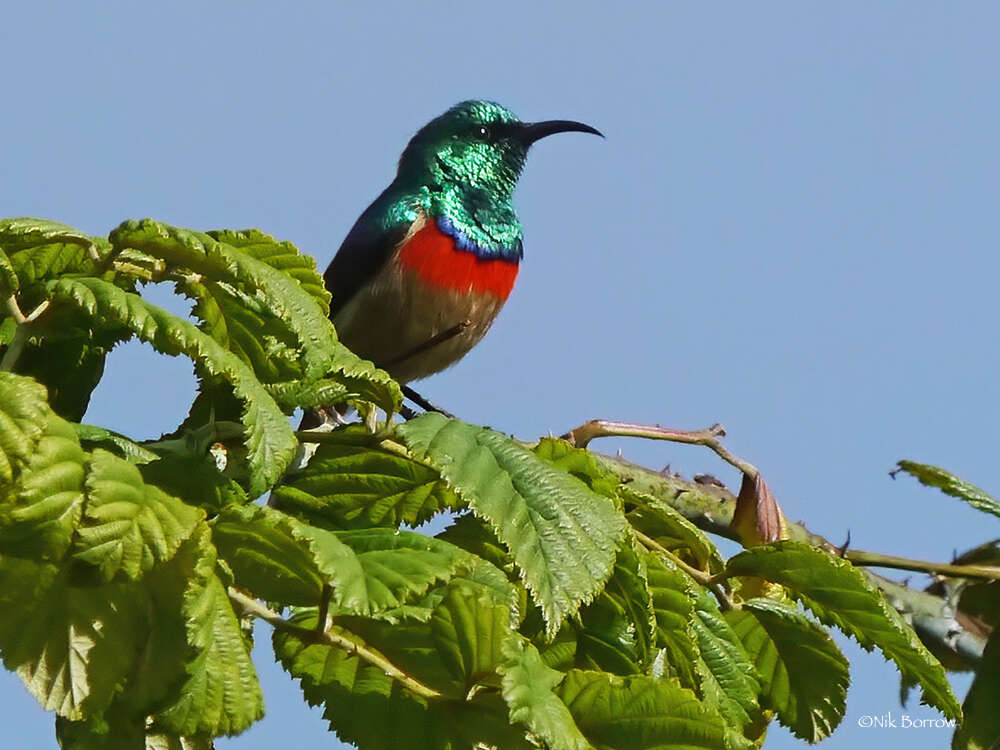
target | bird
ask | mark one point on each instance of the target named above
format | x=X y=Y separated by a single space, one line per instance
x=426 y=268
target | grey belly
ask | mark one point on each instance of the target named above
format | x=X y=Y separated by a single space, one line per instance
x=399 y=313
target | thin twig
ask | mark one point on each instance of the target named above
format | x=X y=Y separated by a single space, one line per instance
x=700 y=576
x=324 y=607
x=327 y=638
x=709 y=437
x=877 y=560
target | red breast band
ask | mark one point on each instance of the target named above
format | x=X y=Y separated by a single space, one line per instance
x=432 y=255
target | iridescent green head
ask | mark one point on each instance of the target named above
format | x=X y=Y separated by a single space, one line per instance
x=462 y=167
x=478 y=143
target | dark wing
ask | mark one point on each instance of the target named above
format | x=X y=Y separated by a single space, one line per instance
x=364 y=251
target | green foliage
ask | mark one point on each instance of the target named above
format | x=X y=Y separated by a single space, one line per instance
x=838 y=594
x=981 y=727
x=803 y=674
x=562 y=535
x=949 y=484
x=561 y=608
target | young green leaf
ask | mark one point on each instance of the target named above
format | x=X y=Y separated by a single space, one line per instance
x=728 y=679
x=370 y=571
x=269 y=439
x=840 y=595
x=631 y=713
x=355 y=482
x=980 y=728
x=578 y=462
x=23 y=412
x=41 y=522
x=221 y=694
x=469 y=629
x=673 y=596
x=220 y=262
x=39 y=249
x=367 y=707
x=100 y=732
x=528 y=689
x=9 y=282
x=281 y=255
x=803 y=674
x=129 y=526
x=81 y=642
x=949 y=484
x=657 y=520
x=563 y=536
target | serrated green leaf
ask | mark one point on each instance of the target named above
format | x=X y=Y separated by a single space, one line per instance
x=394 y=567
x=23 y=412
x=197 y=480
x=476 y=536
x=365 y=379
x=728 y=679
x=41 y=522
x=370 y=571
x=81 y=642
x=99 y=437
x=980 y=729
x=159 y=674
x=353 y=482
x=673 y=596
x=221 y=694
x=840 y=595
x=804 y=677
x=528 y=689
x=98 y=732
x=469 y=628
x=220 y=262
x=270 y=443
x=629 y=713
x=66 y=353
x=657 y=520
x=614 y=633
x=578 y=462
x=310 y=394
x=129 y=526
x=367 y=707
x=949 y=484
x=247 y=327
x=39 y=249
x=283 y=256
x=9 y=282
x=562 y=535
x=266 y=558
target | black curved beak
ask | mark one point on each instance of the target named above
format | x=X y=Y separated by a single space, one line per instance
x=534 y=131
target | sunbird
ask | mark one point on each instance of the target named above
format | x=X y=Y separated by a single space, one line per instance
x=427 y=266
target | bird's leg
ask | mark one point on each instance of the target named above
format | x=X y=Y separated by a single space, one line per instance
x=423 y=403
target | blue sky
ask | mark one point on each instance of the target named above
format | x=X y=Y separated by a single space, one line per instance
x=791 y=228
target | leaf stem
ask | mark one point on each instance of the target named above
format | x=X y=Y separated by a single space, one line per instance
x=20 y=337
x=327 y=638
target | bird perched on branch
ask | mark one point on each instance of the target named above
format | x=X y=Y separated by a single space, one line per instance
x=426 y=268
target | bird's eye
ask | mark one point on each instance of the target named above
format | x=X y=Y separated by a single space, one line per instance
x=482 y=133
